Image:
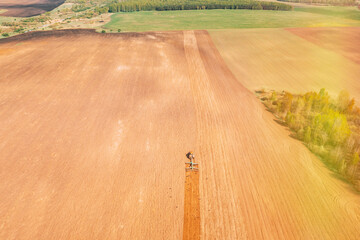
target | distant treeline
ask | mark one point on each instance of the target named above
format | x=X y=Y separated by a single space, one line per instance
x=329 y=127
x=325 y=2
x=169 y=5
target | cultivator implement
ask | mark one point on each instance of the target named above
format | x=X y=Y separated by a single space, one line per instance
x=192 y=166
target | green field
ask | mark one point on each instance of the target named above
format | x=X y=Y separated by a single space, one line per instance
x=341 y=12
x=228 y=19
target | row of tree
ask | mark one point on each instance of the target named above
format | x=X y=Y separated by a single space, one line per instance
x=168 y=5
x=329 y=127
x=325 y=2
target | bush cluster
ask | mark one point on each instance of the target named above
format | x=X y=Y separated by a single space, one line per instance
x=329 y=127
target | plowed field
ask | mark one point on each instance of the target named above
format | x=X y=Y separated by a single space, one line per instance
x=94 y=129
x=28 y=8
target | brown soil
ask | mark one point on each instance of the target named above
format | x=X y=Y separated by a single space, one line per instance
x=191 y=206
x=344 y=41
x=28 y=8
x=93 y=132
x=95 y=128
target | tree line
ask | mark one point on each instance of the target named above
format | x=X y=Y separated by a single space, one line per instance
x=325 y=2
x=169 y=5
x=329 y=127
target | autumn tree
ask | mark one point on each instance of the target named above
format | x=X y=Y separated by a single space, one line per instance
x=356 y=158
x=307 y=134
x=286 y=103
x=343 y=100
x=350 y=106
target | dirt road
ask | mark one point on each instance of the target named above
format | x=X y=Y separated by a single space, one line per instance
x=94 y=129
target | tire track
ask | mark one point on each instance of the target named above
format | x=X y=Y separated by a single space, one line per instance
x=191 y=206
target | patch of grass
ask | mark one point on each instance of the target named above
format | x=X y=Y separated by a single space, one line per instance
x=6 y=19
x=221 y=19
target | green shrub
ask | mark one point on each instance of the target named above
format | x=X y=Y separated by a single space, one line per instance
x=329 y=127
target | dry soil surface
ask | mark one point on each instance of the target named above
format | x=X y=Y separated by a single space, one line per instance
x=297 y=60
x=94 y=129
